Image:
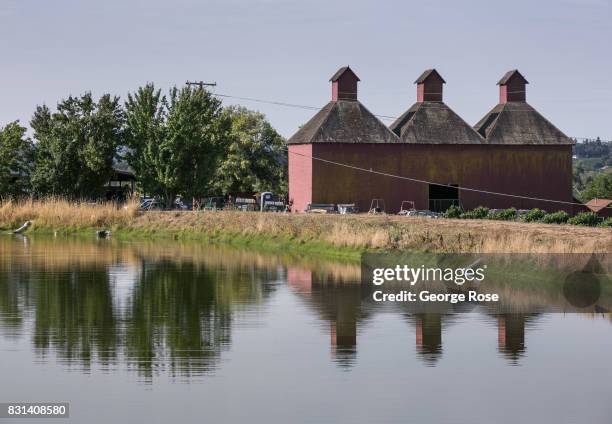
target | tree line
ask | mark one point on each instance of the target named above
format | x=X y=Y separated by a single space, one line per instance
x=593 y=148
x=183 y=142
x=592 y=173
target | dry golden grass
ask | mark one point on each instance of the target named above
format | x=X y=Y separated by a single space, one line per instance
x=391 y=232
x=55 y=212
x=339 y=231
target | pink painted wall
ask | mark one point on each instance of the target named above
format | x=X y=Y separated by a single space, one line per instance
x=300 y=176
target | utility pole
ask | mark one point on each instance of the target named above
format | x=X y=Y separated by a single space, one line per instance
x=201 y=84
x=195 y=203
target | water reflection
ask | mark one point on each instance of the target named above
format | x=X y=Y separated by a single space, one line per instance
x=73 y=314
x=336 y=297
x=160 y=309
x=171 y=307
x=429 y=336
x=511 y=335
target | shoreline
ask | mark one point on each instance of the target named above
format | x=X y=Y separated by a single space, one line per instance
x=333 y=236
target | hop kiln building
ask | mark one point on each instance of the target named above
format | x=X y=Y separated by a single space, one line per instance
x=512 y=150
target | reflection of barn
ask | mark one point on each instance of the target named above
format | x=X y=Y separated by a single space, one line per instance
x=337 y=302
x=513 y=150
x=346 y=304
x=429 y=336
x=511 y=334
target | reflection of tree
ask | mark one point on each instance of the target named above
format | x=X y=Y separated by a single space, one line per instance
x=74 y=314
x=13 y=294
x=178 y=316
x=175 y=312
x=181 y=314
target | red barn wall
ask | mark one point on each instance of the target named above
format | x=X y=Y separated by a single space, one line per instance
x=526 y=170
x=300 y=176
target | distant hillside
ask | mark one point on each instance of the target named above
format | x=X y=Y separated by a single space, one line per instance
x=591 y=157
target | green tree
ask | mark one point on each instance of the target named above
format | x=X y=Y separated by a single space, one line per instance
x=599 y=187
x=15 y=160
x=76 y=145
x=254 y=156
x=175 y=142
x=145 y=112
x=191 y=146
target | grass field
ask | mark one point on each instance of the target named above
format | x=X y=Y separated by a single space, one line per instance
x=326 y=234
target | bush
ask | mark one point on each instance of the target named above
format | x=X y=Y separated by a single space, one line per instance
x=504 y=214
x=589 y=219
x=479 y=213
x=606 y=222
x=559 y=217
x=533 y=215
x=452 y=212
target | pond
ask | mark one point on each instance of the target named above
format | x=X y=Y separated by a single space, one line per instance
x=163 y=331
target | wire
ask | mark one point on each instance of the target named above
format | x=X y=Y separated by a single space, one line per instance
x=399 y=176
x=417 y=180
x=252 y=99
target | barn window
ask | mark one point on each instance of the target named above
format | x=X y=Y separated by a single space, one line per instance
x=443 y=197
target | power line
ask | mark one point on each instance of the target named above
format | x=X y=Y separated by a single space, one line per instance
x=417 y=180
x=393 y=175
x=388 y=117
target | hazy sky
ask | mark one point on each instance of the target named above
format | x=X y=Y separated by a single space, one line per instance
x=287 y=50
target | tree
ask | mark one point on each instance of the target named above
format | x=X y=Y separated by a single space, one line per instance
x=592 y=149
x=15 y=160
x=599 y=187
x=176 y=142
x=254 y=156
x=194 y=132
x=145 y=113
x=76 y=145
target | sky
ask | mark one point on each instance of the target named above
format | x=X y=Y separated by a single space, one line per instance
x=286 y=51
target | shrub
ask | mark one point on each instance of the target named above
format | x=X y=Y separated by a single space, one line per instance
x=452 y=212
x=504 y=214
x=606 y=222
x=479 y=213
x=533 y=215
x=559 y=217
x=589 y=219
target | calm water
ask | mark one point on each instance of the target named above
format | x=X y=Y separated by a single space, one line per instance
x=164 y=332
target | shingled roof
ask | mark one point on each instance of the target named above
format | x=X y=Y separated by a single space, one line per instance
x=341 y=71
x=598 y=204
x=434 y=123
x=426 y=75
x=510 y=74
x=343 y=122
x=519 y=123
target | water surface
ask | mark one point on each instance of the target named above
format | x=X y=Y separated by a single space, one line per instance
x=169 y=332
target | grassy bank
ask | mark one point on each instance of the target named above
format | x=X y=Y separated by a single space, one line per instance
x=330 y=235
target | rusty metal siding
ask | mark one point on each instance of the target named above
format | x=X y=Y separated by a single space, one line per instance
x=534 y=171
